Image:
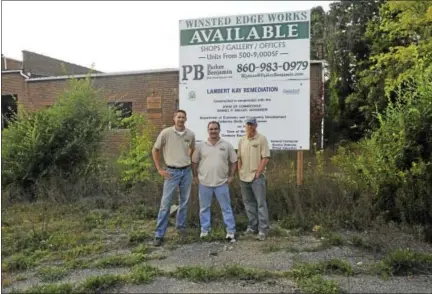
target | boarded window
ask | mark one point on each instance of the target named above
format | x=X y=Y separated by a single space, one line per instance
x=9 y=109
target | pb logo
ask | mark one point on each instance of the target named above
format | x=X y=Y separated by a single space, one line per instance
x=197 y=70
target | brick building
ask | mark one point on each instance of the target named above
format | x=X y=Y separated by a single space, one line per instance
x=38 y=79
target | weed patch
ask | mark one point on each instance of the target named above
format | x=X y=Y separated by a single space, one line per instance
x=120 y=260
x=369 y=245
x=142 y=274
x=20 y=262
x=404 y=262
x=318 y=285
x=138 y=236
x=101 y=284
x=203 y=274
x=141 y=249
x=52 y=273
x=308 y=270
x=63 y=288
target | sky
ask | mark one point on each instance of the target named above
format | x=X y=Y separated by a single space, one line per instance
x=116 y=36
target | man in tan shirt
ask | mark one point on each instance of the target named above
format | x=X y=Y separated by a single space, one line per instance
x=253 y=156
x=177 y=144
x=214 y=163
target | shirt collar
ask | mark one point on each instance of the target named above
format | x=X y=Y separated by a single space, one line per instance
x=218 y=142
x=254 y=137
x=178 y=132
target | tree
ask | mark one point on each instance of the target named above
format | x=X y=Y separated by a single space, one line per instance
x=346 y=50
x=398 y=37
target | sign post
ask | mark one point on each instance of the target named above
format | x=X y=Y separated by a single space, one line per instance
x=234 y=67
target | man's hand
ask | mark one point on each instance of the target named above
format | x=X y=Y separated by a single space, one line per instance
x=195 y=180
x=164 y=174
x=230 y=179
x=257 y=175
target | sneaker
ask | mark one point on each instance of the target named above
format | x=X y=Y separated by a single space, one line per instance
x=204 y=234
x=261 y=236
x=249 y=231
x=230 y=237
x=157 y=241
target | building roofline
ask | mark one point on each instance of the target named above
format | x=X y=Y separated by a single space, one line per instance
x=124 y=73
x=58 y=60
x=15 y=71
x=113 y=74
x=8 y=58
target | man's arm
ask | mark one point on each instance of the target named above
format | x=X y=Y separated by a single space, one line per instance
x=156 y=158
x=160 y=142
x=192 y=147
x=265 y=157
x=239 y=163
x=195 y=162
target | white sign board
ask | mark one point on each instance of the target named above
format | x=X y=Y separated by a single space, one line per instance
x=257 y=65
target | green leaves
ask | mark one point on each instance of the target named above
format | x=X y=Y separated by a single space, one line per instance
x=136 y=161
x=60 y=140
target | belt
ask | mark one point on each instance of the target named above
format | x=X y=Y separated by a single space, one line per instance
x=175 y=167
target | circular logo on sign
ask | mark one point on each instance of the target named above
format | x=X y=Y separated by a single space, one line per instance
x=192 y=95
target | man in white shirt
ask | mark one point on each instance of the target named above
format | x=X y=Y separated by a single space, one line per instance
x=214 y=163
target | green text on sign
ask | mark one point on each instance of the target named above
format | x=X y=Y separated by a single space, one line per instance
x=248 y=33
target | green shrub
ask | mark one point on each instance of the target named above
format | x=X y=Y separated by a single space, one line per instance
x=136 y=161
x=63 y=140
x=394 y=163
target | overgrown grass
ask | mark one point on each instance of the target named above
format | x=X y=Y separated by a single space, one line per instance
x=403 y=262
x=205 y=274
x=329 y=267
x=63 y=288
x=52 y=273
x=318 y=285
x=120 y=260
x=368 y=245
x=139 y=274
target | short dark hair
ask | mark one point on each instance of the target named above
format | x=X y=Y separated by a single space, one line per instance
x=181 y=111
x=213 y=122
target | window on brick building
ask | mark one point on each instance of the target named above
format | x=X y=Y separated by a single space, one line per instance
x=177 y=105
x=124 y=110
x=9 y=108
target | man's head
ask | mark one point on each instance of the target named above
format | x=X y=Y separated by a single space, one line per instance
x=180 y=118
x=251 y=125
x=213 y=129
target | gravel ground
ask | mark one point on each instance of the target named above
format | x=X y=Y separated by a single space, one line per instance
x=168 y=285
x=368 y=284
x=249 y=253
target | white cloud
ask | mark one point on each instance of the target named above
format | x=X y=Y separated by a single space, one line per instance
x=116 y=36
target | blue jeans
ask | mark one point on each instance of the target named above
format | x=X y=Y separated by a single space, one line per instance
x=179 y=178
x=223 y=197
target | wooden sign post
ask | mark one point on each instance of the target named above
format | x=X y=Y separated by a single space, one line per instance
x=299 y=167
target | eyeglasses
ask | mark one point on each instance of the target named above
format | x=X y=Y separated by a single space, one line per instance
x=213 y=129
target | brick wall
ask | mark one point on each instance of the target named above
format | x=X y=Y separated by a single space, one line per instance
x=14 y=84
x=135 y=88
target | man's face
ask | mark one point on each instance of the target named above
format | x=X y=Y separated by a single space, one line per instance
x=250 y=128
x=180 y=119
x=213 y=131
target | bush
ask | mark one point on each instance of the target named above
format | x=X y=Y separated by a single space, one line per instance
x=136 y=161
x=62 y=141
x=395 y=162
